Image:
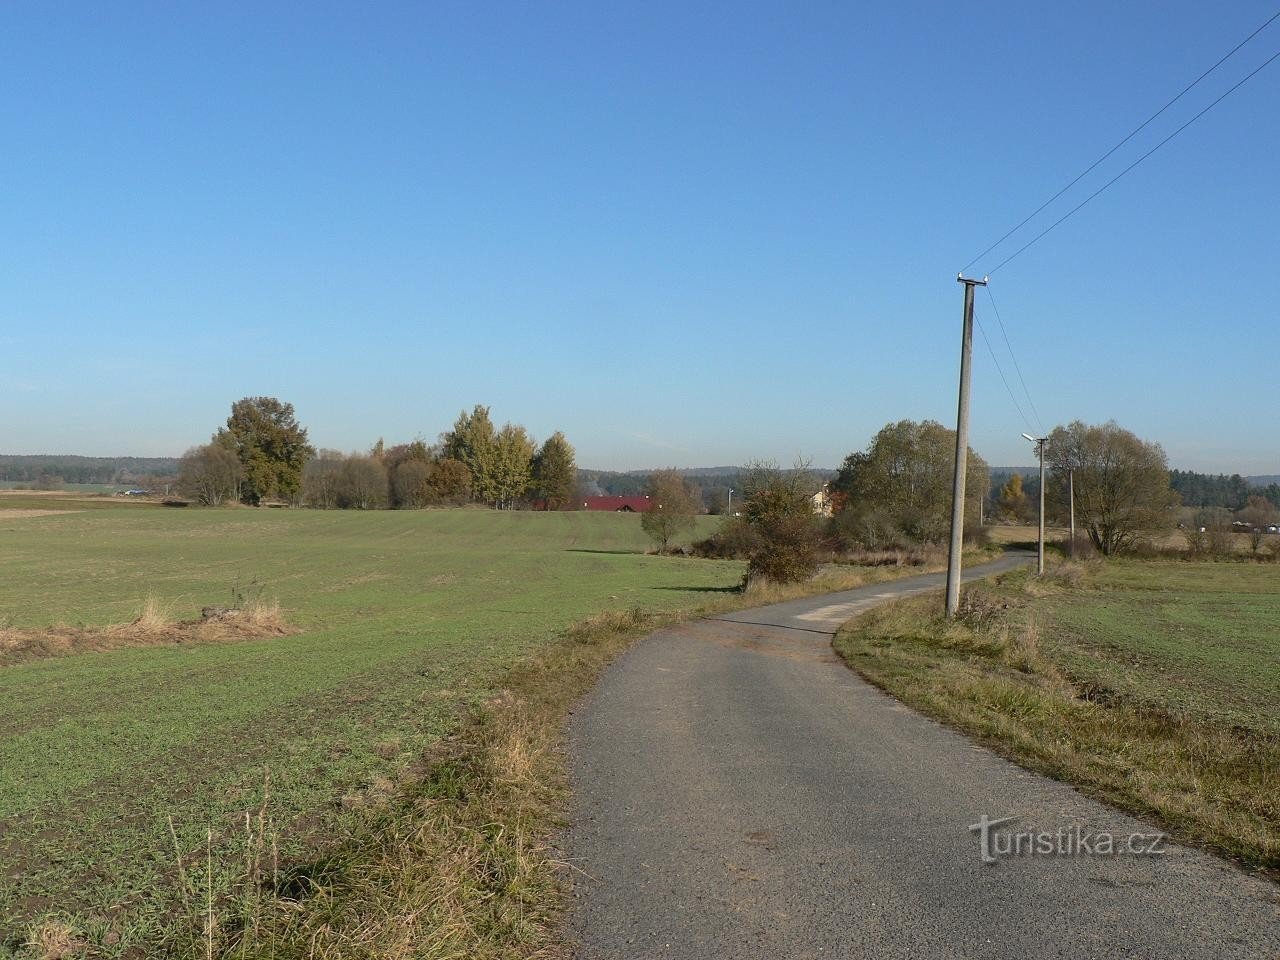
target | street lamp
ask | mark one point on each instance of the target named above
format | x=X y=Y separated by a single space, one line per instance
x=1040 y=442
x=731 y=503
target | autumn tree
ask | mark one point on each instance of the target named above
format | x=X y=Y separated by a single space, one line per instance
x=471 y=442
x=1014 y=503
x=509 y=470
x=210 y=474
x=555 y=473
x=265 y=436
x=451 y=481
x=1122 y=491
x=900 y=486
x=673 y=505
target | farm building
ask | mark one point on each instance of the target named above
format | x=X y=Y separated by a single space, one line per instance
x=616 y=504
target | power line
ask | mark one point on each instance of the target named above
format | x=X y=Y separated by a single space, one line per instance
x=1017 y=406
x=1014 y=358
x=1131 y=134
x=1266 y=63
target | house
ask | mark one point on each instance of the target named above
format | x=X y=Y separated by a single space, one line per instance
x=822 y=504
x=616 y=504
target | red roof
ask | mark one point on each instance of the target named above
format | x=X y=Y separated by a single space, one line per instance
x=616 y=504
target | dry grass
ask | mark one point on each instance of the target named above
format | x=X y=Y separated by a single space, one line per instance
x=54 y=939
x=154 y=626
x=988 y=673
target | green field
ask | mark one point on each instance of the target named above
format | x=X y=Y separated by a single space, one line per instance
x=402 y=615
x=1154 y=685
x=1200 y=639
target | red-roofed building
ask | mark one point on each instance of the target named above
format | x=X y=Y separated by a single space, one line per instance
x=616 y=504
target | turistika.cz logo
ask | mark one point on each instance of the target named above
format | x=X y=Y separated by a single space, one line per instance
x=1070 y=841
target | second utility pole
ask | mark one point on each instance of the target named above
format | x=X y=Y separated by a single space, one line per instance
x=962 y=450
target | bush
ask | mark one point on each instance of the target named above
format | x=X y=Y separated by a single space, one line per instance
x=735 y=540
x=779 y=510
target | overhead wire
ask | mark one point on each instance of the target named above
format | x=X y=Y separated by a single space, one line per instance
x=1012 y=356
x=1017 y=406
x=1266 y=63
x=1129 y=136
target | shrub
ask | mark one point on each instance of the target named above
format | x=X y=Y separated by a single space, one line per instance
x=779 y=510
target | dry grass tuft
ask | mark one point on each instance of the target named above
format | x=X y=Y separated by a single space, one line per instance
x=54 y=939
x=154 y=626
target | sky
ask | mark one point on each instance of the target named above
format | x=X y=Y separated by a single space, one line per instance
x=683 y=233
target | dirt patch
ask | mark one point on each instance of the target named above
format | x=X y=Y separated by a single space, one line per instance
x=149 y=630
x=21 y=513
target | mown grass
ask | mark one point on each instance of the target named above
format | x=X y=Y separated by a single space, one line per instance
x=404 y=618
x=1154 y=686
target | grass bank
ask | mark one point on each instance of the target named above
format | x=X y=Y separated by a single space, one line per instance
x=1154 y=686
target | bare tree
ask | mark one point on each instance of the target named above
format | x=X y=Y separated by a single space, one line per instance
x=411 y=485
x=1258 y=513
x=673 y=504
x=211 y=474
x=320 y=479
x=362 y=483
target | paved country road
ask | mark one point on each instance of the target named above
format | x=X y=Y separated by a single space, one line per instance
x=740 y=793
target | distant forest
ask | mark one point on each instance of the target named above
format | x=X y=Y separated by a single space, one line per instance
x=72 y=469
x=1196 y=489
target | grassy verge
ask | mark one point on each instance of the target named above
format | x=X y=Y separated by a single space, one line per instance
x=1151 y=686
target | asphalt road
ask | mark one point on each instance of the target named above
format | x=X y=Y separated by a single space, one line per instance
x=740 y=793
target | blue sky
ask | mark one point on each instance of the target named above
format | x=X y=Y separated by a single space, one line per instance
x=682 y=233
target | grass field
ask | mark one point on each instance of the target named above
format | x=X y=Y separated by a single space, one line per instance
x=1154 y=685
x=402 y=617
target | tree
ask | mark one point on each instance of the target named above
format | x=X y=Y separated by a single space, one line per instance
x=271 y=446
x=1258 y=513
x=409 y=467
x=362 y=483
x=555 y=474
x=901 y=484
x=1013 y=500
x=471 y=442
x=320 y=479
x=673 y=504
x=451 y=480
x=1122 y=491
x=510 y=470
x=779 y=510
x=210 y=474
x=411 y=486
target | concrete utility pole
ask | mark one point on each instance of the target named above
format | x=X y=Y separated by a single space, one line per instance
x=1071 y=500
x=1040 y=442
x=962 y=449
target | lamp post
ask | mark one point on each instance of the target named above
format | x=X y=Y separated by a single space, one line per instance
x=1040 y=442
x=730 y=510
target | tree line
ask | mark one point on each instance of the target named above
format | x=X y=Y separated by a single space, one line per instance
x=262 y=454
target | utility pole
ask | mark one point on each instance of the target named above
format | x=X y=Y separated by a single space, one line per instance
x=1071 y=499
x=1040 y=442
x=962 y=449
x=731 y=502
